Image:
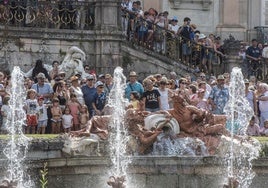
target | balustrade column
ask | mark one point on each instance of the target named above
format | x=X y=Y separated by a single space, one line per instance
x=107 y=27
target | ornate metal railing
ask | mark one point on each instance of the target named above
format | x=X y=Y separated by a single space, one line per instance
x=169 y=45
x=48 y=14
x=262 y=34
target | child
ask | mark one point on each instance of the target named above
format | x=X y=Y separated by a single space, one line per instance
x=31 y=112
x=42 y=114
x=5 y=109
x=74 y=107
x=67 y=120
x=56 y=116
x=264 y=130
x=253 y=128
x=84 y=116
x=134 y=100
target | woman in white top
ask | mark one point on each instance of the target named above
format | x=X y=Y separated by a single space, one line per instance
x=164 y=94
x=76 y=89
x=263 y=103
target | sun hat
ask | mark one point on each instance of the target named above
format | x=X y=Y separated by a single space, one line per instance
x=202 y=36
x=98 y=83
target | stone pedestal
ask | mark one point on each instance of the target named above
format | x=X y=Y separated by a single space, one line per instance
x=233 y=61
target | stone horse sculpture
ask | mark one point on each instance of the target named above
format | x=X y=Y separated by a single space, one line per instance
x=71 y=64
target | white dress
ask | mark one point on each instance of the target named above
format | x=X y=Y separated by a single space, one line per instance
x=67 y=120
x=164 y=99
x=79 y=94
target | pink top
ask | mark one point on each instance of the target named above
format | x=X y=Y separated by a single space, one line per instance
x=74 y=108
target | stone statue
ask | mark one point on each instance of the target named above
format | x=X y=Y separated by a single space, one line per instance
x=71 y=64
x=97 y=129
x=185 y=120
x=199 y=123
x=117 y=182
x=8 y=184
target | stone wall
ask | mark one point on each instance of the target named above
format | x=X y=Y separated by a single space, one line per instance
x=66 y=171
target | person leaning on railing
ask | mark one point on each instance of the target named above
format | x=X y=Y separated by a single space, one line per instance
x=161 y=24
x=185 y=31
x=253 y=54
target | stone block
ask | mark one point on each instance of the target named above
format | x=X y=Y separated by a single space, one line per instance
x=162 y=180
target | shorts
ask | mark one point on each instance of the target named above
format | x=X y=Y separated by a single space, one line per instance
x=31 y=120
x=42 y=123
x=56 y=120
x=186 y=49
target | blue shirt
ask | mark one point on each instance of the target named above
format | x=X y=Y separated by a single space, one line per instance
x=88 y=94
x=220 y=97
x=133 y=87
x=100 y=100
x=42 y=90
x=253 y=52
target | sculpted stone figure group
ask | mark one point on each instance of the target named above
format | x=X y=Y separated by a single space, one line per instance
x=193 y=122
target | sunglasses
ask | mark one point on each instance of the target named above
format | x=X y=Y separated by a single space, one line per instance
x=183 y=83
x=162 y=83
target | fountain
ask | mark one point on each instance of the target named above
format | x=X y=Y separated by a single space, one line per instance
x=17 y=145
x=241 y=152
x=118 y=134
x=166 y=160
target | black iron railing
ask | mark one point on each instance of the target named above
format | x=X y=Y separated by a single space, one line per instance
x=169 y=44
x=262 y=34
x=48 y=14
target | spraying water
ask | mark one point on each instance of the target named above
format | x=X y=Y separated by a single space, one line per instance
x=17 y=145
x=241 y=153
x=119 y=136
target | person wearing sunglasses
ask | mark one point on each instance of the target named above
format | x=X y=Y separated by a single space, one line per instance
x=99 y=100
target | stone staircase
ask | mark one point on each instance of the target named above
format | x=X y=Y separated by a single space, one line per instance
x=146 y=62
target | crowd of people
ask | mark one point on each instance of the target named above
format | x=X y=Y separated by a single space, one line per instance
x=156 y=31
x=184 y=42
x=55 y=104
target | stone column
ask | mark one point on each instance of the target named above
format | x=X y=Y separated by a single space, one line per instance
x=108 y=35
x=230 y=20
x=156 y=4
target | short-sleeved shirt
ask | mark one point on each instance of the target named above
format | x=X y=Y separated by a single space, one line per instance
x=42 y=112
x=31 y=106
x=253 y=52
x=151 y=99
x=220 y=96
x=41 y=90
x=100 y=100
x=88 y=94
x=67 y=120
x=133 y=87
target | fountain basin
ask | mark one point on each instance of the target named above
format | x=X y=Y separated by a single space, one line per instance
x=145 y=171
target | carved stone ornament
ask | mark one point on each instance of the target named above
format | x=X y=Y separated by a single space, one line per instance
x=176 y=4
